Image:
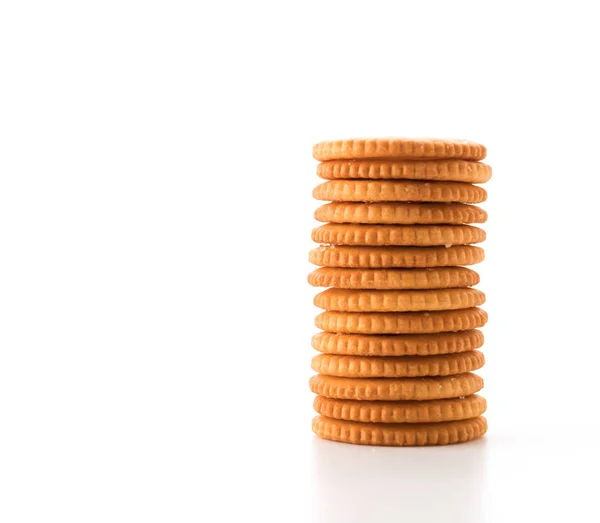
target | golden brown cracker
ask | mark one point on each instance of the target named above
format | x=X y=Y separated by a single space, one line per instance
x=353 y=300
x=398 y=366
x=401 y=434
x=398 y=345
x=401 y=322
x=432 y=411
x=397 y=235
x=394 y=213
x=400 y=389
x=395 y=257
x=429 y=278
x=434 y=170
x=398 y=191
x=404 y=148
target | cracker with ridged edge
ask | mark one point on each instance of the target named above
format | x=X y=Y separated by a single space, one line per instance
x=395 y=257
x=397 y=235
x=429 y=278
x=441 y=170
x=398 y=345
x=432 y=411
x=394 y=213
x=403 y=148
x=400 y=434
x=361 y=300
x=398 y=366
x=401 y=322
x=398 y=191
x=396 y=389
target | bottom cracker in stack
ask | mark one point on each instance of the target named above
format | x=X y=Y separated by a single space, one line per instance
x=397 y=355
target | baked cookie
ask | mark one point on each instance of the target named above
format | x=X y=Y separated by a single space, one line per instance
x=401 y=434
x=351 y=300
x=401 y=389
x=399 y=366
x=432 y=411
x=398 y=345
x=375 y=257
x=397 y=235
x=403 y=148
x=441 y=170
x=394 y=213
x=401 y=322
x=430 y=278
x=398 y=191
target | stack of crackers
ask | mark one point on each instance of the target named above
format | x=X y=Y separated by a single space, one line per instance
x=399 y=340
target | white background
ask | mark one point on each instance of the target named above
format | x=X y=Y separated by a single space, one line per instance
x=155 y=217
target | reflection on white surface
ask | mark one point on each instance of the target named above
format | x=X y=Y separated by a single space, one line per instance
x=355 y=483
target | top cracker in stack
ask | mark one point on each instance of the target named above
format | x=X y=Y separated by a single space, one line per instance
x=400 y=324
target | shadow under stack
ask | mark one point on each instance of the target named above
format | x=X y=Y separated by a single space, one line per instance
x=400 y=338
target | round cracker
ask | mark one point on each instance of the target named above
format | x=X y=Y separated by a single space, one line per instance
x=405 y=148
x=432 y=411
x=401 y=434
